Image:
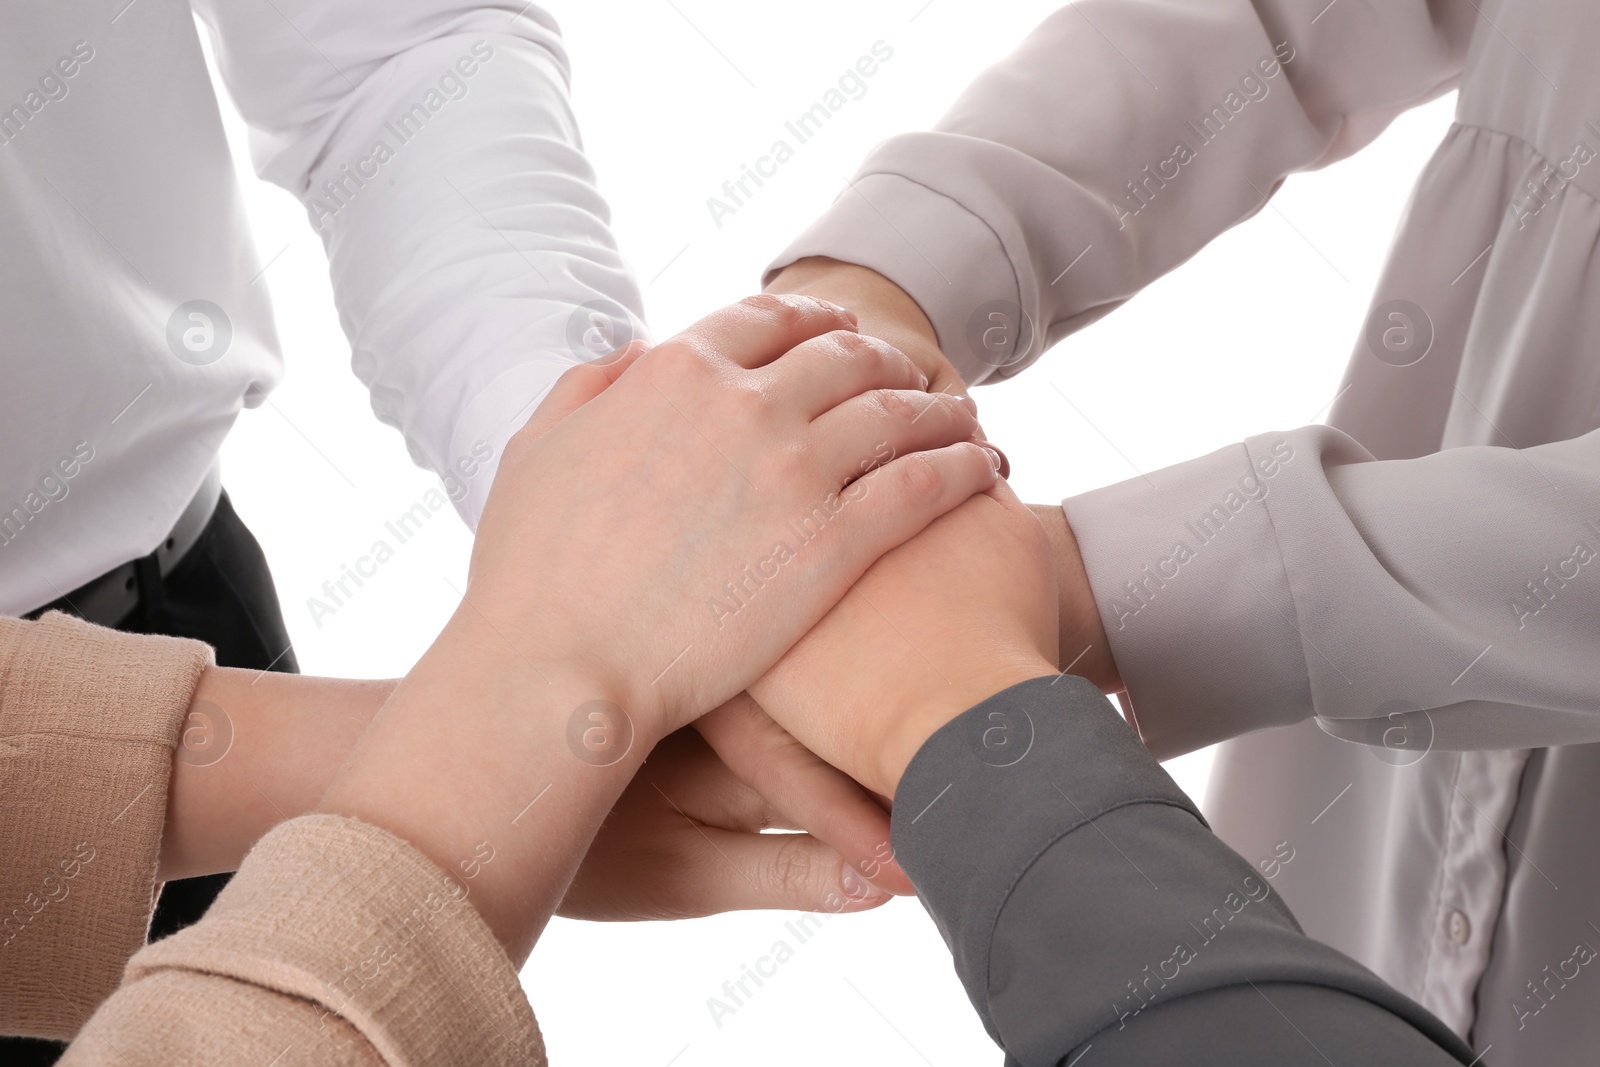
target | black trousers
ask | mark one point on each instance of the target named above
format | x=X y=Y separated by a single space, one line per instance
x=221 y=593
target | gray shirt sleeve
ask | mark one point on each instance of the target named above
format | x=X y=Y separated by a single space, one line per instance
x=1087 y=905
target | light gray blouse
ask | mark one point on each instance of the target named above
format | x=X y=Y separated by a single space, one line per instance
x=1423 y=575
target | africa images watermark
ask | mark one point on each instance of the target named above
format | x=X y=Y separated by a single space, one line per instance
x=1206 y=527
x=207 y=734
x=737 y=992
x=753 y=578
x=1250 y=89
x=1541 y=991
x=51 y=488
x=340 y=191
x=51 y=87
x=852 y=85
x=337 y=592
x=1540 y=191
x=1554 y=577
x=54 y=888
x=387 y=945
x=1147 y=985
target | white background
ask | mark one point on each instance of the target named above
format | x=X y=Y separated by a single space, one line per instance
x=674 y=98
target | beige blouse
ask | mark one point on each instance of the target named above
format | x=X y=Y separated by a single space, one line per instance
x=336 y=943
x=1419 y=575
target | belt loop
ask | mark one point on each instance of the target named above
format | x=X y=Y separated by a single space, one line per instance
x=152 y=594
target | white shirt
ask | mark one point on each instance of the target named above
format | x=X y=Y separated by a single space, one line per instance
x=434 y=147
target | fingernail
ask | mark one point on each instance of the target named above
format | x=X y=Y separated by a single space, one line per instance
x=971 y=404
x=997 y=460
x=925 y=383
x=855 y=886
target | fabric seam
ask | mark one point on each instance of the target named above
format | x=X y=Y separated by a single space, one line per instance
x=1022 y=871
x=1283 y=568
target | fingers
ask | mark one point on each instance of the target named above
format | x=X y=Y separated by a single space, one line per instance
x=888 y=507
x=577 y=386
x=870 y=430
x=825 y=371
x=803 y=790
x=715 y=823
x=684 y=772
x=777 y=871
x=760 y=328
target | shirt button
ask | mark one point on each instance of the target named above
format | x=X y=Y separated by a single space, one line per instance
x=1460 y=927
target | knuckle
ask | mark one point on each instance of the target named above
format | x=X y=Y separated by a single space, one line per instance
x=634 y=349
x=788 y=312
x=790 y=872
x=783 y=459
x=829 y=824
x=745 y=397
x=573 y=375
x=896 y=403
x=905 y=367
x=876 y=359
x=956 y=408
x=858 y=350
x=677 y=359
x=922 y=476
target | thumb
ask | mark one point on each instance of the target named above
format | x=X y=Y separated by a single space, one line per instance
x=787 y=872
x=577 y=386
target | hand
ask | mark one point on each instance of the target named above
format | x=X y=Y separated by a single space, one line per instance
x=941 y=623
x=602 y=578
x=710 y=508
x=685 y=840
x=885 y=310
x=806 y=790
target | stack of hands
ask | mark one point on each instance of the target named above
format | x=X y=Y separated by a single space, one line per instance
x=727 y=584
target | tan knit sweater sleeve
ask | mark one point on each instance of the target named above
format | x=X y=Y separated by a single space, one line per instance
x=88 y=722
x=336 y=943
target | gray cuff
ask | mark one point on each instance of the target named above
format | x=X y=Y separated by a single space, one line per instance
x=990 y=792
x=948 y=259
x=1186 y=570
x=1133 y=933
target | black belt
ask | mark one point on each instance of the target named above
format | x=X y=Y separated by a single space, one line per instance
x=114 y=596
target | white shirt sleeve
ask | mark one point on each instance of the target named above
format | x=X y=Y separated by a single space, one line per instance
x=434 y=146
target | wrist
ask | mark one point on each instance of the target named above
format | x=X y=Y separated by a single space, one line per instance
x=922 y=715
x=1085 y=650
x=483 y=634
x=254 y=750
x=497 y=770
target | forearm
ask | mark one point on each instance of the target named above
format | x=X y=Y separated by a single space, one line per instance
x=1084 y=900
x=256 y=749
x=419 y=773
